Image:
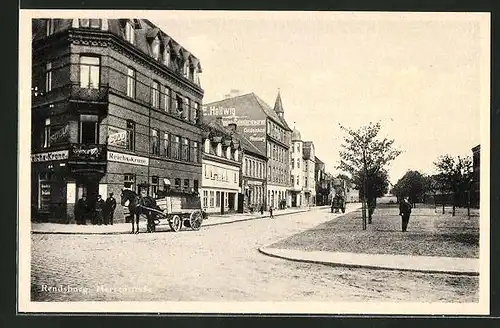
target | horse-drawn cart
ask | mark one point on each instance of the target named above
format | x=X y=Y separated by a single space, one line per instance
x=173 y=207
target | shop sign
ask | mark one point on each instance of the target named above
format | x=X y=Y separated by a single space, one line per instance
x=50 y=156
x=117 y=137
x=87 y=152
x=126 y=158
x=60 y=135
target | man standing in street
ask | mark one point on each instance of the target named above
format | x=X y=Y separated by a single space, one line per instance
x=271 y=212
x=99 y=207
x=109 y=209
x=81 y=210
x=404 y=211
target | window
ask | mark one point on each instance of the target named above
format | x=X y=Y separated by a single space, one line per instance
x=185 y=149
x=155 y=184
x=205 y=198
x=178 y=104
x=195 y=185
x=166 y=145
x=129 y=32
x=130 y=82
x=46 y=133
x=155 y=94
x=186 y=184
x=269 y=173
x=130 y=135
x=185 y=68
x=298 y=148
x=211 y=198
x=291 y=179
x=298 y=163
x=217 y=199
x=187 y=110
x=129 y=181
x=246 y=166
x=235 y=177
x=155 y=142
x=89 y=72
x=177 y=183
x=155 y=48
x=194 y=152
x=175 y=147
x=196 y=112
x=49 y=27
x=166 y=56
x=166 y=100
x=90 y=23
x=305 y=182
x=89 y=129
x=48 y=77
x=298 y=180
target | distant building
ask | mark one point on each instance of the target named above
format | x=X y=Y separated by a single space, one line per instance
x=221 y=169
x=321 y=183
x=476 y=177
x=267 y=129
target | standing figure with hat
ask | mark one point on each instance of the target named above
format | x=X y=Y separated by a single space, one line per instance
x=99 y=207
x=109 y=209
x=81 y=210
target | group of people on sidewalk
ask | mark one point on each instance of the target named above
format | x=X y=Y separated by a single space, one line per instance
x=102 y=212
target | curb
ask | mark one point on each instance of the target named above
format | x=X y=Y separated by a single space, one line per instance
x=268 y=252
x=129 y=233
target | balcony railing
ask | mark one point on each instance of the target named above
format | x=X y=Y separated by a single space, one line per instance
x=72 y=92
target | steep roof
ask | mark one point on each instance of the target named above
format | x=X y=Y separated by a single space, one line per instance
x=278 y=106
x=247 y=145
x=317 y=160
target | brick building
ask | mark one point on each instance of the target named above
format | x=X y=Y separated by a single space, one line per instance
x=115 y=104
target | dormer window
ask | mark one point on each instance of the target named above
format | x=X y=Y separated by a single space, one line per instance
x=166 y=56
x=90 y=23
x=155 y=48
x=228 y=152
x=185 y=69
x=219 y=149
x=236 y=155
x=207 y=146
x=129 y=32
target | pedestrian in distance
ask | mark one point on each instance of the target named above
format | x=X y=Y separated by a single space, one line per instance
x=261 y=209
x=99 y=207
x=81 y=210
x=404 y=211
x=271 y=212
x=109 y=209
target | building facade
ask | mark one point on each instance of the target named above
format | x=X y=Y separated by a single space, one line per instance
x=302 y=171
x=221 y=170
x=265 y=128
x=115 y=104
x=309 y=178
x=322 y=189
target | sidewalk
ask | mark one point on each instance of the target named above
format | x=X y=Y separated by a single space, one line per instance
x=125 y=228
x=427 y=264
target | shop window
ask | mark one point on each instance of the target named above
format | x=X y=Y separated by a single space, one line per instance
x=89 y=72
x=155 y=142
x=217 y=199
x=89 y=130
x=129 y=181
x=44 y=191
x=90 y=23
x=129 y=32
x=130 y=135
x=205 y=198
x=131 y=82
x=211 y=198
x=155 y=185
x=48 y=77
x=195 y=185
x=46 y=134
x=49 y=27
x=166 y=144
x=155 y=94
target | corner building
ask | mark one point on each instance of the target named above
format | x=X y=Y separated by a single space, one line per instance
x=115 y=104
x=266 y=128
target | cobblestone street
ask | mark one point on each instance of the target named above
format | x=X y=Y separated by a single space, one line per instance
x=218 y=263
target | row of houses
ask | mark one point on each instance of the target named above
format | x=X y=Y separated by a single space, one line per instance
x=118 y=103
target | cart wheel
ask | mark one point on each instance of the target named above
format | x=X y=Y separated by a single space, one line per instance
x=175 y=223
x=195 y=220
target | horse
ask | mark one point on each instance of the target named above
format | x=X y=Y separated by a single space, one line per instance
x=137 y=206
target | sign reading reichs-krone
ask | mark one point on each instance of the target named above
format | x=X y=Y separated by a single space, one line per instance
x=50 y=156
x=126 y=158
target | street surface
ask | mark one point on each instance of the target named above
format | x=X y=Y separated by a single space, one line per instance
x=218 y=263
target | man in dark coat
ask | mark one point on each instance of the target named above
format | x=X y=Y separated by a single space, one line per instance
x=99 y=207
x=81 y=210
x=404 y=211
x=109 y=209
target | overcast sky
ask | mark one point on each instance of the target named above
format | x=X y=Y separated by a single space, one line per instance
x=418 y=74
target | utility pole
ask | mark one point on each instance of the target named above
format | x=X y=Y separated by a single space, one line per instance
x=364 y=203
